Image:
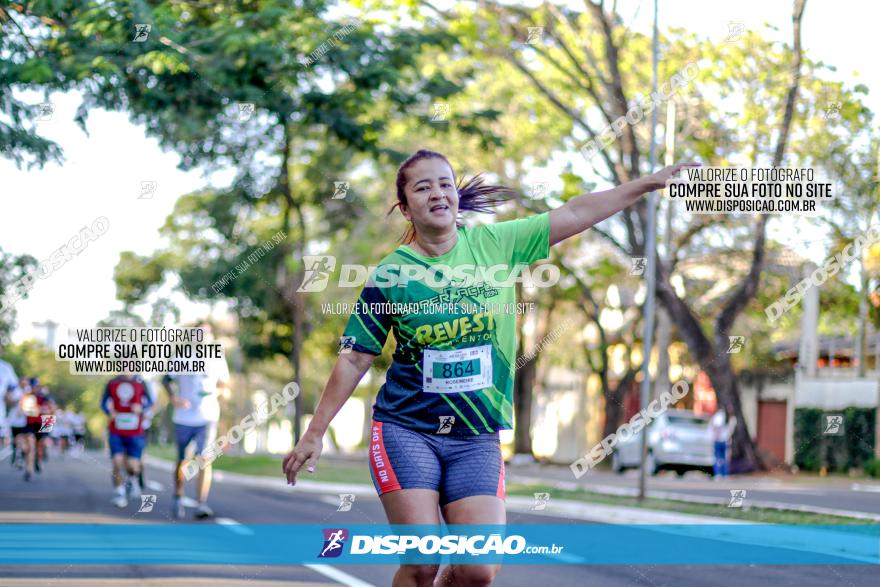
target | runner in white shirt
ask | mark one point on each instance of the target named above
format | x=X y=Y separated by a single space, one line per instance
x=78 y=424
x=196 y=412
x=17 y=422
x=8 y=382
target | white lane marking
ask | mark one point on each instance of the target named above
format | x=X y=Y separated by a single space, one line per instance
x=860 y=487
x=337 y=575
x=154 y=485
x=235 y=526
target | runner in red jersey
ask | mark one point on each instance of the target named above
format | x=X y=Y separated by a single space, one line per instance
x=126 y=400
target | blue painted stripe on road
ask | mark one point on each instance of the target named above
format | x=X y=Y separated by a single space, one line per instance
x=589 y=544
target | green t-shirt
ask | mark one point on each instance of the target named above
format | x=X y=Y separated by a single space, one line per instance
x=453 y=367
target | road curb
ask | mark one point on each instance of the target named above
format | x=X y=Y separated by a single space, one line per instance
x=689 y=498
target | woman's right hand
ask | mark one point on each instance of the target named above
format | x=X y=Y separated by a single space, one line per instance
x=307 y=451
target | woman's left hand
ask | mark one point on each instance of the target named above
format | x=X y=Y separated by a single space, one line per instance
x=658 y=180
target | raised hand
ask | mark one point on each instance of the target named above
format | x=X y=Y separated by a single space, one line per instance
x=658 y=180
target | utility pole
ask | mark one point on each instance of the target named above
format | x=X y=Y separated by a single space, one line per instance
x=664 y=321
x=651 y=270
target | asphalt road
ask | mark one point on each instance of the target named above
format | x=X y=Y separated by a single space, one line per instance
x=77 y=490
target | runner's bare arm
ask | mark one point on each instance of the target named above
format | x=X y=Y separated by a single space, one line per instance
x=580 y=213
x=349 y=370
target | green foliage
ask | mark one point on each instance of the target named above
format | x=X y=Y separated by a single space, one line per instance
x=12 y=268
x=136 y=276
x=813 y=449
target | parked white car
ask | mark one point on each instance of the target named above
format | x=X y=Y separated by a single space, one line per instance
x=678 y=440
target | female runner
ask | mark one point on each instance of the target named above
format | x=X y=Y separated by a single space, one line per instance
x=434 y=446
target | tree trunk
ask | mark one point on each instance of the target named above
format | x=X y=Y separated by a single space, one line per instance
x=861 y=346
x=524 y=383
x=744 y=454
x=716 y=363
x=614 y=402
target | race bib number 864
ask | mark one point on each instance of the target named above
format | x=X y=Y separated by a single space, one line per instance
x=457 y=370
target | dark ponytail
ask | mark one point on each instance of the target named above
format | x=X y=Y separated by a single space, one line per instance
x=473 y=195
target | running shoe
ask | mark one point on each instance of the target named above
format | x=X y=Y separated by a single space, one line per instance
x=119 y=500
x=134 y=489
x=177 y=509
x=203 y=511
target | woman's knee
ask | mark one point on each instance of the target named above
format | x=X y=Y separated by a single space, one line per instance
x=475 y=575
x=423 y=575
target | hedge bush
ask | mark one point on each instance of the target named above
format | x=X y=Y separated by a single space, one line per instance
x=853 y=448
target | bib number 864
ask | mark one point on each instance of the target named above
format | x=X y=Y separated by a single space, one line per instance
x=458 y=369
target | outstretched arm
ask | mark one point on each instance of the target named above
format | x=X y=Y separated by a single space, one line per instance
x=580 y=213
x=349 y=370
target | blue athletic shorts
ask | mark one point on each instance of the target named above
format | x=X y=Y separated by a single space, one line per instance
x=201 y=435
x=455 y=467
x=132 y=446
